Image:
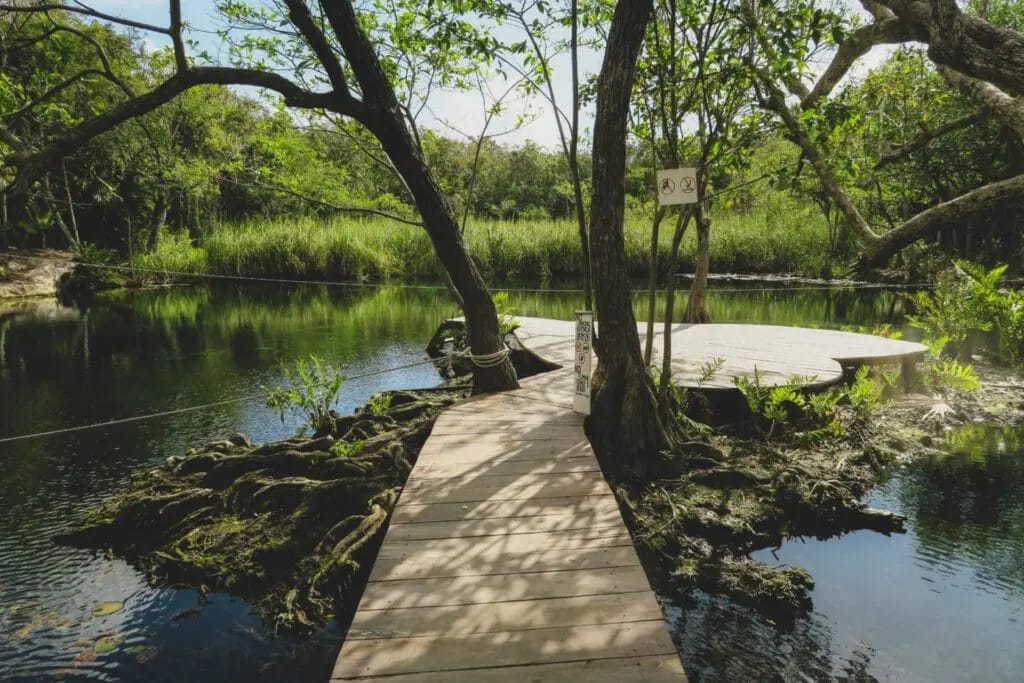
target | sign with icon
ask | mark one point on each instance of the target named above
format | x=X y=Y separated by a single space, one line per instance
x=584 y=340
x=677 y=186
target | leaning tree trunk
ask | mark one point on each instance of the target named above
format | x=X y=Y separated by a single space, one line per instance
x=385 y=121
x=974 y=205
x=624 y=426
x=697 y=309
x=443 y=228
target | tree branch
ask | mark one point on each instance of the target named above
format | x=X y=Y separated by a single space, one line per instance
x=896 y=152
x=85 y=11
x=858 y=44
x=33 y=166
x=966 y=207
x=299 y=14
x=966 y=43
x=1009 y=110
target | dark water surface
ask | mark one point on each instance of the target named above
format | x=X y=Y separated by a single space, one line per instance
x=940 y=603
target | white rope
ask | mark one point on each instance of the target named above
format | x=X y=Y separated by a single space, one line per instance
x=189 y=409
x=488 y=360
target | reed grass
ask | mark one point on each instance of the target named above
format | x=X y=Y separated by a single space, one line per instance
x=778 y=236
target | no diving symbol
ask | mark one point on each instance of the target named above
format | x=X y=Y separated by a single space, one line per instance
x=668 y=186
x=687 y=184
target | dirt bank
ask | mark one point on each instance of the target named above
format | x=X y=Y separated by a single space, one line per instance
x=32 y=272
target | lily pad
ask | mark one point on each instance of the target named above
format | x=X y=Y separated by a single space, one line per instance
x=105 y=609
x=142 y=653
x=106 y=645
x=84 y=657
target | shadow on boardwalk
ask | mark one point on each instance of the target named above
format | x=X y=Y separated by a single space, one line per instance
x=507 y=559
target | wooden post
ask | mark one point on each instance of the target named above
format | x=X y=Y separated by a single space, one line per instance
x=908 y=373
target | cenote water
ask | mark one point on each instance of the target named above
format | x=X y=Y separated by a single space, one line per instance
x=942 y=602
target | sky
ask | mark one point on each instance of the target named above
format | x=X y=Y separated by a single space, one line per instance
x=448 y=110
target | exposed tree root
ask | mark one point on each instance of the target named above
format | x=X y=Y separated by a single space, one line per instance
x=716 y=503
x=283 y=524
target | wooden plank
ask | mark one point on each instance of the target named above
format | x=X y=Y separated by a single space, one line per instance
x=473 y=590
x=509 y=616
x=486 y=563
x=443 y=468
x=649 y=669
x=482 y=446
x=460 y=550
x=584 y=507
x=503 y=481
x=390 y=656
x=522 y=488
x=504 y=526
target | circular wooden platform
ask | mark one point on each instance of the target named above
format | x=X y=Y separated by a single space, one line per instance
x=779 y=355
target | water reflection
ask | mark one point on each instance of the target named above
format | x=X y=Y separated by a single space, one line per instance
x=940 y=603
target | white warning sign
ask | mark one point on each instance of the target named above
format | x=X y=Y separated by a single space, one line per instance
x=584 y=340
x=677 y=186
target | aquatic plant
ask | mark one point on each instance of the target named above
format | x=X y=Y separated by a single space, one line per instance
x=966 y=300
x=312 y=396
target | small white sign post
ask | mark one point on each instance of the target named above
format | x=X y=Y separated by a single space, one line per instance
x=677 y=186
x=584 y=339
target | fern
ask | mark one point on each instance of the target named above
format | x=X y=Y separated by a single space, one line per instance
x=952 y=373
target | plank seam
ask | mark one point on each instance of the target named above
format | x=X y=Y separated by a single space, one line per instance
x=578 y=660
x=503 y=602
x=518 y=573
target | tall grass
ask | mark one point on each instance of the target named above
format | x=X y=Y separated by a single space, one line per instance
x=779 y=236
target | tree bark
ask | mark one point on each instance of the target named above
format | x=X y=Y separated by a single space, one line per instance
x=624 y=426
x=652 y=284
x=967 y=207
x=775 y=101
x=697 y=308
x=1008 y=110
x=665 y=381
x=389 y=127
x=968 y=44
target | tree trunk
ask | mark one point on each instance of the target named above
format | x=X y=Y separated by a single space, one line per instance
x=776 y=102
x=697 y=309
x=443 y=228
x=386 y=123
x=968 y=44
x=670 y=303
x=652 y=284
x=157 y=221
x=1003 y=195
x=624 y=426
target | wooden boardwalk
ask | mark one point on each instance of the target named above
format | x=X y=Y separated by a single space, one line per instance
x=507 y=559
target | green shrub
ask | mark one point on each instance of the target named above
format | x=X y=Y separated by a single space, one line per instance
x=312 y=393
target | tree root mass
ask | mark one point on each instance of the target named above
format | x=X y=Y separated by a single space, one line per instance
x=283 y=524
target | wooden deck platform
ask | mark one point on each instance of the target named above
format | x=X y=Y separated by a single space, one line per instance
x=778 y=353
x=507 y=559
